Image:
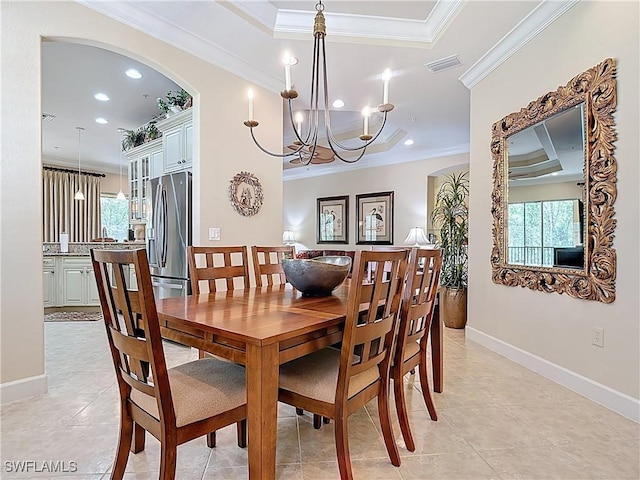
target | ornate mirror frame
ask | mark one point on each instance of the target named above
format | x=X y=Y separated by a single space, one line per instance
x=595 y=87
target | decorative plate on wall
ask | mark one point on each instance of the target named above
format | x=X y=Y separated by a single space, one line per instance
x=245 y=194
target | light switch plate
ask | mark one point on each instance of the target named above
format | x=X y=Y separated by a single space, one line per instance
x=214 y=233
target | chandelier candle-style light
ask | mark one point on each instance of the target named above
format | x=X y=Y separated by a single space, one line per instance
x=306 y=147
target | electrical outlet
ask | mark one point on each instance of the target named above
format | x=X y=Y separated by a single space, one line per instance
x=214 y=234
x=598 y=337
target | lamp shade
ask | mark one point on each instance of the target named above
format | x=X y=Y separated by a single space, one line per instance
x=416 y=237
x=288 y=237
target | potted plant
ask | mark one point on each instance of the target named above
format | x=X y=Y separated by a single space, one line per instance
x=174 y=101
x=450 y=218
x=133 y=138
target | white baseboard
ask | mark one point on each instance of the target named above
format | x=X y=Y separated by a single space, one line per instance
x=23 y=388
x=601 y=394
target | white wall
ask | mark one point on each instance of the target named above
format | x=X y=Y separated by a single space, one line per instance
x=551 y=329
x=408 y=181
x=222 y=149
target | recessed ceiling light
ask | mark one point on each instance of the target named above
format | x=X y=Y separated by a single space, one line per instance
x=408 y=142
x=338 y=104
x=133 y=73
x=103 y=97
x=101 y=120
x=554 y=174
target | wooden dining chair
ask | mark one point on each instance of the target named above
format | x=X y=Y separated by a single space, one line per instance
x=174 y=405
x=423 y=275
x=219 y=263
x=267 y=266
x=336 y=383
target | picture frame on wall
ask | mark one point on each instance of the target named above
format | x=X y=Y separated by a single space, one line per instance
x=374 y=218
x=333 y=220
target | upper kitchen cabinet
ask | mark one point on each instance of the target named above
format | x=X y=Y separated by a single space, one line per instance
x=177 y=141
x=145 y=162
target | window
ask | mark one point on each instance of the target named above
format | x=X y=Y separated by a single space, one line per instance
x=536 y=228
x=115 y=217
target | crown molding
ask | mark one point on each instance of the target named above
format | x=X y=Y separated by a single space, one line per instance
x=337 y=166
x=529 y=27
x=131 y=14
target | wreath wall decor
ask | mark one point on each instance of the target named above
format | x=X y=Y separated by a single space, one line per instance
x=245 y=194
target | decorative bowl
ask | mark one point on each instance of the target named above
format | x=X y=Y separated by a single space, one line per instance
x=316 y=277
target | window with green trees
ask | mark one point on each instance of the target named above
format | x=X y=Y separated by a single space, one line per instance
x=536 y=228
x=115 y=216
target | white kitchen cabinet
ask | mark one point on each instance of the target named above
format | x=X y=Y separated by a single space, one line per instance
x=143 y=165
x=49 y=282
x=78 y=282
x=177 y=141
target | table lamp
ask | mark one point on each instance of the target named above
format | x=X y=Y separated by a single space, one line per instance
x=288 y=238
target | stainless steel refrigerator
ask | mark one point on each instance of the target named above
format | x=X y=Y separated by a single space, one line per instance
x=169 y=234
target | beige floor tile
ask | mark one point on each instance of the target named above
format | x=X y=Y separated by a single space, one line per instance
x=459 y=466
x=608 y=459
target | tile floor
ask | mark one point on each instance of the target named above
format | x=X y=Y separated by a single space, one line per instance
x=497 y=420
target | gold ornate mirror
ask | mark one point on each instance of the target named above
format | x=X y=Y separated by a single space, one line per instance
x=554 y=186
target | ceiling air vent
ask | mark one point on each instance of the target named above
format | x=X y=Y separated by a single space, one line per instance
x=47 y=117
x=443 y=64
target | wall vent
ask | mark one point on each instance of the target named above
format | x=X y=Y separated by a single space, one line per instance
x=47 y=117
x=443 y=64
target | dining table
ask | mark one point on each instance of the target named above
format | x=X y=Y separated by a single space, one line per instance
x=262 y=328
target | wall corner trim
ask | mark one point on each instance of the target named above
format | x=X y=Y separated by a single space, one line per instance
x=23 y=388
x=540 y=18
x=612 y=399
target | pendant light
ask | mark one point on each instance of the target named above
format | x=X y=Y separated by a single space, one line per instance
x=120 y=195
x=79 y=195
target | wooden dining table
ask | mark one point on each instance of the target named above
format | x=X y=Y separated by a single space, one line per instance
x=263 y=328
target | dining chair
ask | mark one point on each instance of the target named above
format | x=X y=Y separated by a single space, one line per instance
x=423 y=275
x=174 y=405
x=267 y=263
x=219 y=263
x=335 y=383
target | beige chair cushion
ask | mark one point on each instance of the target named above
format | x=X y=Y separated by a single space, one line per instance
x=316 y=376
x=411 y=349
x=200 y=389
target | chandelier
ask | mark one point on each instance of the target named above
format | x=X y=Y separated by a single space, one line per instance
x=305 y=148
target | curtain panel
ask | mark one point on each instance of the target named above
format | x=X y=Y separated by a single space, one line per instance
x=62 y=214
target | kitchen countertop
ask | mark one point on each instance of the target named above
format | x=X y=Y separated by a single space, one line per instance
x=50 y=249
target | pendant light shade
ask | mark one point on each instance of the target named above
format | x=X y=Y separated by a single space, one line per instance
x=79 y=195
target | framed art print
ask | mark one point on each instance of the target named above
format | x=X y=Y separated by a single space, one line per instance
x=374 y=218
x=333 y=220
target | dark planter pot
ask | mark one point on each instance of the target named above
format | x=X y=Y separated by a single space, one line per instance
x=453 y=307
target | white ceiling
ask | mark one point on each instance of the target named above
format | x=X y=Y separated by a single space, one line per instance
x=248 y=38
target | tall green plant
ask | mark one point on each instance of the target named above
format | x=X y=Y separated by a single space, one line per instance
x=450 y=217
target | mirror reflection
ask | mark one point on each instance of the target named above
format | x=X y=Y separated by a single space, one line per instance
x=545 y=212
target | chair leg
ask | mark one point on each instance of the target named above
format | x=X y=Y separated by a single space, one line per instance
x=211 y=440
x=317 y=421
x=124 y=444
x=138 y=438
x=424 y=385
x=387 y=430
x=326 y=420
x=201 y=354
x=241 y=427
x=342 y=448
x=401 y=409
x=168 y=457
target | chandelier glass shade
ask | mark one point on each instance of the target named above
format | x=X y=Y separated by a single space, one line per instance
x=305 y=148
x=79 y=195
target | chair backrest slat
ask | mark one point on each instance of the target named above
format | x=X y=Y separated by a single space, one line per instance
x=228 y=263
x=372 y=315
x=132 y=326
x=423 y=278
x=267 y=264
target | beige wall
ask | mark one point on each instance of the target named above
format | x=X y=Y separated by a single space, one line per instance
x=222 y=149
x=558 y=328
x=408 y=181
x=547 y=191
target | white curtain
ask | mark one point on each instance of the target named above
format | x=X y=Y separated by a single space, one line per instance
x=62 y=214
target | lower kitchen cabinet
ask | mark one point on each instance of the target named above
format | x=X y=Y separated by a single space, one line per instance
x=69 y=281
